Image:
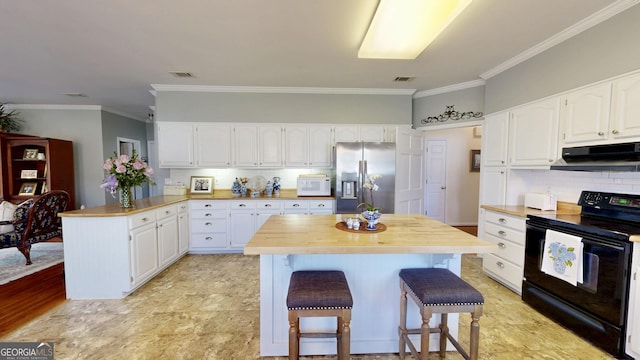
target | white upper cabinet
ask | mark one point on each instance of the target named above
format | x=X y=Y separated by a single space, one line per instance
x=320 y=146
x=308 y=146
x=533 y=134
x=585 y=115
x=372 y=133
x=625 y=112
x=175 y=145
x=213 y=145
x=245 y=146
x=495 y=135
x=270 y=146
x=346 y=133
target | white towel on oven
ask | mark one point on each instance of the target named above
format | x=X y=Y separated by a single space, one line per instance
x=562 y=257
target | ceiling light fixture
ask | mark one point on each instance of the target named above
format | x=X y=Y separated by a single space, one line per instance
x=403 y=29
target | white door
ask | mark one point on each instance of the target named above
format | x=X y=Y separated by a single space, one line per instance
x=409 y=172
x=436 y=177
x=128 y=146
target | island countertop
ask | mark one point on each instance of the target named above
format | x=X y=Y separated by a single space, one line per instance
x=405 y=234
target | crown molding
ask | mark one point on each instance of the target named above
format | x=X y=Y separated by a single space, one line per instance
x=281 y=90
x=449 y=88
x=123 y=114
x=585 y=24
x=53 y=107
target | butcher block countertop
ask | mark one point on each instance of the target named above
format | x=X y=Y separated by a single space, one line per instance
x=519 y=210
x=404 y=234
x=160 y=201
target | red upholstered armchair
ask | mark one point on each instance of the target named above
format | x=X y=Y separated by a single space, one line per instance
x=35 y=221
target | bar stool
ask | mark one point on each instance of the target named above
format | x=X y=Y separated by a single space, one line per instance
x=443 y=292
x=319 y=293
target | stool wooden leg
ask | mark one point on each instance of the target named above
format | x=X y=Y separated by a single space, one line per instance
x=475 y=332
x=402 y=329
x=444 y=330
x=426 y=313
x=294 y=335
x=344 y=352
x=339 y=338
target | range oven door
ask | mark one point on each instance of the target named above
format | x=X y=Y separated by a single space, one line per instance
x=595 y=309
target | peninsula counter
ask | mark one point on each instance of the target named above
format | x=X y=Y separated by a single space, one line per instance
x=371 y=262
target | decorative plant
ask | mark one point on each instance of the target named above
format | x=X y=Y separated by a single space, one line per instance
x=9 y=120
x=125 y=172
x=370 y=184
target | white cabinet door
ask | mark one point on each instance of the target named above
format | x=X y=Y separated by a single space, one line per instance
x=183 y=228
x=372 y=133
x=264 y=209
x=213 y=145
x=241 y=222
x=296 y=146
x=167 y=240
x=626 y=108
x=346 y=133
x=495 y=135
x=533 y=134
x=585 y=115
x=320 y=146
x=493 y=185
x=270 y=148
x=245 y=145
x=176 y=147
x=144 y=253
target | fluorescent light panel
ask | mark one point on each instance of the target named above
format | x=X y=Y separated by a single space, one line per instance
x=402 y=29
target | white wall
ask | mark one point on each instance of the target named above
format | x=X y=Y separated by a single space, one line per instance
x=462 y=185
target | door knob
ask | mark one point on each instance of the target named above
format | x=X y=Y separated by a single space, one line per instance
x=443 y=187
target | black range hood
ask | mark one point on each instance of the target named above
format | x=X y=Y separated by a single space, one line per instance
x=611 y=157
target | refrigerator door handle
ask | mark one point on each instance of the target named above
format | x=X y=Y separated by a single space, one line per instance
x=360 y=181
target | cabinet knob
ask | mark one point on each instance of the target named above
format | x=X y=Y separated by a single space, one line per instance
x=615 y=131
x=207 y=224
x=502 y=233
x=208 y=238
x=167 y=212
x=600 y=133
x=242 y=205
x=296 y=205
x=145 y=219
x=502 y=245
x=208 y=214
x=267 y=205
x=500 y=264
x=502 y=220
x=207 y=205
x=502 y=161
x=320 y=205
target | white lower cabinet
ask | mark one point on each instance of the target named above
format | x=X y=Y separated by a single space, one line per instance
x=183 y=228
x=507 y=264
x=320 y=207
x=108 y=257
x=209 y=226
x=241 y=221
x=632 y=347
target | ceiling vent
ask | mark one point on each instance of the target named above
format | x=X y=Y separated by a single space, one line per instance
x=403 y=78
x=181 y=74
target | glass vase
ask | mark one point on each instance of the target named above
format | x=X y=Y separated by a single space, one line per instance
x=126 y=198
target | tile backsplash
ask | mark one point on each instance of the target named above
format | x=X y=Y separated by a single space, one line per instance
x=224 y=177
x=567 y=185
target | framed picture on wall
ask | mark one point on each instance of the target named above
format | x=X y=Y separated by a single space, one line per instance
x=475 y=161
x=201 y=185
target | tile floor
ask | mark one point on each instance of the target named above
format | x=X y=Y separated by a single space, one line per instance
x=206 y=307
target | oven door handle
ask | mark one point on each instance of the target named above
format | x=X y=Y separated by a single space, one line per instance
x=604 y=244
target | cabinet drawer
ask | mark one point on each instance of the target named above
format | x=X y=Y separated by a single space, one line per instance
x=212 y=240
x=141 y=219
x=320 y=205
x=207 y=204
x=242 y=205
x=504 y=270
x=514 y=222
x=296 y=204
x=502 y=232
x=209 y=214
x=508 y=250
x=272 y=206
x=166 y=211
x=208 y=226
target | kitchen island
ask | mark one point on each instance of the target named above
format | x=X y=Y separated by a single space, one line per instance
x=371 y=262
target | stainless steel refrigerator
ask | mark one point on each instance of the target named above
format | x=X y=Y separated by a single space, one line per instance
x=355 y=162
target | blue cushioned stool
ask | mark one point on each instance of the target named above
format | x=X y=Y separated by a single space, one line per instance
x=319 y=293
x=443 y=292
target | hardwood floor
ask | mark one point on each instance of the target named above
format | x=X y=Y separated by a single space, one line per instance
x=31 y=296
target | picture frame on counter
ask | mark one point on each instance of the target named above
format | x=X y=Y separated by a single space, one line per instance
x=475 y=161
x=201 y=185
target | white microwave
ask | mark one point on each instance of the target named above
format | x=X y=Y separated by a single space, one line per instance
x=314 y=186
